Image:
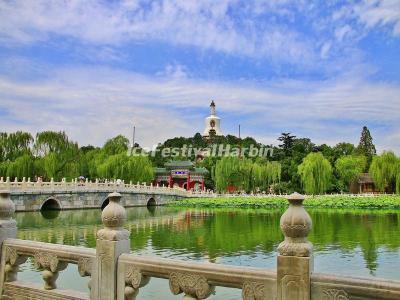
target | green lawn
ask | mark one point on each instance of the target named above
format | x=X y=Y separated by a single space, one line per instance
x=334 y=201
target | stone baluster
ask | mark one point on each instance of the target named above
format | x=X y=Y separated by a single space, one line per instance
x=8 y=229
x=1 y=179
x=51 y=266
x=295 y=258
x=8 y=226
x=112 y=241
x=12 y=261
x=192 y=286
x=16 y=179
x=85 y=268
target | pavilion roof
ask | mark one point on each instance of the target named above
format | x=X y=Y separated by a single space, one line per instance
x=179 y=164
x=365 y=178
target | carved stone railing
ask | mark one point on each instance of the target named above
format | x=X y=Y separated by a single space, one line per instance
x=195 y=280
x=116 y=274
x=333 y=287
x=50 y=258
x=28 y=186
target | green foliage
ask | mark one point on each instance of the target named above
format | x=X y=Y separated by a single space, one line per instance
x=23 y=166
x=366 y=147
x=14 y=145
x=51 y=141
x=342 y=149
x=116 y=145
x=328 y=201
x=243 y=174
x=287 y=141
x=384 y=170
x=349 y=168
x=52 y=155
x=128 y=168
x=316 y=173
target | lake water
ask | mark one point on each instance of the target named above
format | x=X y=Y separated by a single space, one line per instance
x=350 y=242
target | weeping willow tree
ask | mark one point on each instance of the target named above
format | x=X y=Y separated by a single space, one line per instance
x=228 y=172
x=245 y=175
x=316 y=173
x=349 y=168
x=23 y=166
x=128 y=168
x=398 y=178
x=385 y=170
x=266 y=175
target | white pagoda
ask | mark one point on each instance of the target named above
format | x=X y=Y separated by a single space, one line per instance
x=212 y=123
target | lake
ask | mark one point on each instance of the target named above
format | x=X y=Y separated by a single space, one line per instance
x=346 y=241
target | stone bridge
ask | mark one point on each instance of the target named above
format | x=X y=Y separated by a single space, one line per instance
x=35 y=196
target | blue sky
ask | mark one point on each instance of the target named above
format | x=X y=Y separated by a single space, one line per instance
x=318 y=69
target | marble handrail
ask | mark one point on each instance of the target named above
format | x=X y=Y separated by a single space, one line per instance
x=135 y=271
x=51 y=258
x=70 y=254
x=345 y=287
x=59 y=187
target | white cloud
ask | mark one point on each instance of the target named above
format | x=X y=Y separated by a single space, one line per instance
x=93 y=104
x=342 y=32
x=204 y=24
x=379 y=13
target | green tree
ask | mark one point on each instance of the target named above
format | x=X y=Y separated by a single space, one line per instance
x=316 y=173
x=116 y=145
x=384 y=170
x=287 y=141
x=342 y=149
x=51 y=141
x=14 y=145
x=23 y=166
x=349 y=168
x=245 y=175
x=366 y=146
x=265 y=175
x=58 y=156
x=128 y=168
x=231 y=171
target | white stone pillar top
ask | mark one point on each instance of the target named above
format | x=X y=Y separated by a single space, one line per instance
x=295 y=224
x=113 y=218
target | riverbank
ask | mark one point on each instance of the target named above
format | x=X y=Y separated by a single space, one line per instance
x=326 y=201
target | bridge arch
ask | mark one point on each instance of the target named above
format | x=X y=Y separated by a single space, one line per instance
x=151 y=202
x=50 y=203
x=105 y=203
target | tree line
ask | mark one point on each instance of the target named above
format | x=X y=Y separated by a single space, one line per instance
x=53 y=155
x=296 y=164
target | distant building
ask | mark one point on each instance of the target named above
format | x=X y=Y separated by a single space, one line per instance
x=212 y=123
x=181 y=174
x=364 y=184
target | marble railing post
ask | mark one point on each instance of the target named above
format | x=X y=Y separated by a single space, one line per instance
x=295 y=258
x=8 y=226
x=112 y=241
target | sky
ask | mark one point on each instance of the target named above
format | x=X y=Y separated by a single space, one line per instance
x=317 y=69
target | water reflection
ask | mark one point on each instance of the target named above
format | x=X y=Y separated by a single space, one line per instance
x=50 y=214
x=362 y=242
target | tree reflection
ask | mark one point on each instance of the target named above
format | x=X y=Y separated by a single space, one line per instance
x=215 y=233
